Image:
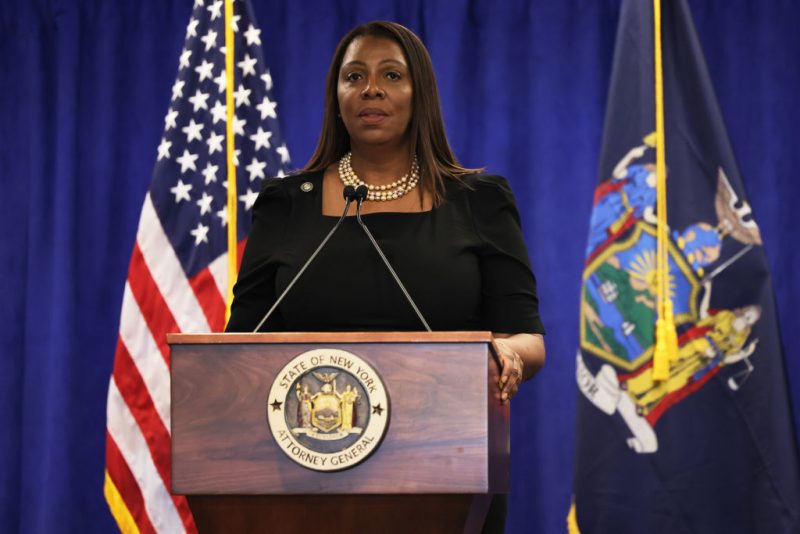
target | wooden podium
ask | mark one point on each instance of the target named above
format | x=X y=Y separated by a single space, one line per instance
x=444 y=455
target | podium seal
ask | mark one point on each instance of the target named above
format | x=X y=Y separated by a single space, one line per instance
x=328 y=409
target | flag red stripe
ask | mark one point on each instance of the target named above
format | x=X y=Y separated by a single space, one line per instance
x=240 y=253
x=211 y=302
x=137 y=397
x=134 y=391
x=186 y=514
x=154 y=308
x=127 y=486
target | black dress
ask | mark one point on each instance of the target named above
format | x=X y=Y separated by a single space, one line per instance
x=464 y=263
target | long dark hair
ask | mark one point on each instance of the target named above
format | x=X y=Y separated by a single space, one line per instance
x=426 y=129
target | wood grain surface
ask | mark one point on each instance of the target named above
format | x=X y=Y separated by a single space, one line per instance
x=329 y=337
x=447 y=433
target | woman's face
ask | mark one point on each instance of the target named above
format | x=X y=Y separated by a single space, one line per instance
x=375 y=92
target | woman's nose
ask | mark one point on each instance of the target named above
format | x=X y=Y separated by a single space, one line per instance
x=373 y=88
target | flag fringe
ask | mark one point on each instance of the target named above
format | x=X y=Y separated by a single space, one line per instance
x=572 y=520
x=118 y=508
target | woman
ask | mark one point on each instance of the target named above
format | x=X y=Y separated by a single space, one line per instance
x=452 y=234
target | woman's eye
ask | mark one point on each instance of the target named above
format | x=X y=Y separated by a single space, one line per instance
x=352 y=76
x=394 y=76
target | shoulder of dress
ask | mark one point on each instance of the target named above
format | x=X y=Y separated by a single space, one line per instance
x=292 y=180
x=479 y=181
x=286 y=191
x=293 y=184
x=488 y=196
x=480 y=187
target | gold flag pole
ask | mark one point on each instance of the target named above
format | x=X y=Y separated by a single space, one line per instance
x=233 y=266
x=666 y=346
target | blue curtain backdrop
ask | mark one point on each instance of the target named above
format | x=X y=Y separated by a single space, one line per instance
x=84 y=86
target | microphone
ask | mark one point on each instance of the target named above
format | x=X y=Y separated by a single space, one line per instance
x=349 y=194
x=360 y=195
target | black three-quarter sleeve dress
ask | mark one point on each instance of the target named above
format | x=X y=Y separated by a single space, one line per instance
x=464 y=263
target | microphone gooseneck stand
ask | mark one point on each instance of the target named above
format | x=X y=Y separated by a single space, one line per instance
x=360 y=194
x=349 y=194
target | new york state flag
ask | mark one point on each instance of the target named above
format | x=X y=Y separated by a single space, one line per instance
x=711 y=448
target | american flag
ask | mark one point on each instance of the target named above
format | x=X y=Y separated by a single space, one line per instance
x=178 y=274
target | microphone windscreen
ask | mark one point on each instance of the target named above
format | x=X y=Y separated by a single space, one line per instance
x=349 y=192
x=361 y=192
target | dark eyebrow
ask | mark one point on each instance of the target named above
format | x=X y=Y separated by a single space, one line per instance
x=382 y=62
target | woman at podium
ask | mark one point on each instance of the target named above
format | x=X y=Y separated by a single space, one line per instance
x=452 y=234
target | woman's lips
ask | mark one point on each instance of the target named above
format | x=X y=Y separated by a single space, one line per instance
x=371 y=116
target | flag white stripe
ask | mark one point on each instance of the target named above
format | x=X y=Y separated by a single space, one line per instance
x=167 y=272
x=219 y=272
x=144 y=352
x=132 y=446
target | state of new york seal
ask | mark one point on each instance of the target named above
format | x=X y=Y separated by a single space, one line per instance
x=328 y=409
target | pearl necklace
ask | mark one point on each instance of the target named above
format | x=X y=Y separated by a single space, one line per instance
x=390 y=191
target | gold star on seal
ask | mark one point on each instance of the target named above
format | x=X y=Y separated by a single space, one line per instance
x=276 y=405
x=377 y=409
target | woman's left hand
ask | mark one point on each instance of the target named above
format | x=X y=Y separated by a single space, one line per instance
x=510 y=372
x=521 y=356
